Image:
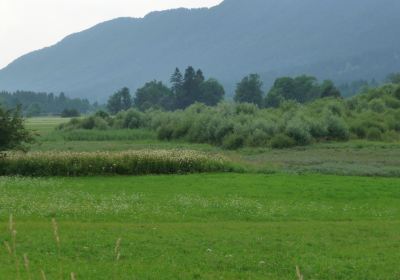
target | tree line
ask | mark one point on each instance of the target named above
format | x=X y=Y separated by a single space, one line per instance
x=372 y=115
x=39 y=103
x=192 y=87
x=185 y=90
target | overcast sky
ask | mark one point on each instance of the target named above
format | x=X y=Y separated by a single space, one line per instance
x=27 y=25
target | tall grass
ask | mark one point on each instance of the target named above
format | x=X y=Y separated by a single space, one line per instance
x=111 y=163
x=109 y=135
x=12 y=251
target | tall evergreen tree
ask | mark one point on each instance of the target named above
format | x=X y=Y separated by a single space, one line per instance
x=199 y=76
x=193 y=87
x=176 y=81
x=187 y=95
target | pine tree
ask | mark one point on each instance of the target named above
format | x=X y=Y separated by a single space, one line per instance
x=176 y=81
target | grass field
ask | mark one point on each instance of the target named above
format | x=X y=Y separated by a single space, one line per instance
x=285 y=211
x=221 y=226
x=348 y=158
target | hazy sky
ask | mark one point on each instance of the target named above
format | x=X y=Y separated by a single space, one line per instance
x=27 y=25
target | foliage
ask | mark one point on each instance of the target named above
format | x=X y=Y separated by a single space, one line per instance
x=108 y=135
x=185 y=91
x=39 y=103
x=301 y=89
x=354 y=157
x=237 y=125
x=212 y=92
x=13 y=134
x=119 y=101
x=351 y=89
x=70 y=113
x=249 y=90
x=328 y=89
x=282 y=141
x=194 y=88
x=154 y=95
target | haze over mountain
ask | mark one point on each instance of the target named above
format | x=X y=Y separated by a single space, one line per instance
x=343 y=40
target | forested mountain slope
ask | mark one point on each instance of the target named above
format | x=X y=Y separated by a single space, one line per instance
x=342 y=40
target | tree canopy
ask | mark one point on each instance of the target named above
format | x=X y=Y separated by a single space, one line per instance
x=13 y=134
x=120 y=101
x=249 y=90
x=301 y=89
x=154 y=95
x=41 y=103
x=185 y=90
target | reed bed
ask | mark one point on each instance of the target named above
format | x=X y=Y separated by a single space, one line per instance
x=142 y=162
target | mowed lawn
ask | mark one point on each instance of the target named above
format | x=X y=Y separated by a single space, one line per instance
x=212 y=226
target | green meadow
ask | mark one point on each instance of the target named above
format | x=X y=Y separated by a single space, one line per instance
x=330 y=210
x=212 y=226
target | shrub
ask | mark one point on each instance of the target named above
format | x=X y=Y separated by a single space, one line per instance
x=165 y=132
x=282 y=141
x=397 y=93
x=70 y=113
x=392 y=102
x=337 y=129
x=336 y=108
x=224 y=128
x=233 y=141
x=237 y=125
x=102 y=114
x=359 y=130
x=100 y=123
x=88 y=123
x=299 y=132
x=257 y=138
x=390 y=136
x=198 y=131
x=246 y=108
x=374 y=134
x=130 y=119
x=318 y=128
x=377 y=105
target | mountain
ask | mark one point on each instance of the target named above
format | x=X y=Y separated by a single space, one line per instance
x=343 y=40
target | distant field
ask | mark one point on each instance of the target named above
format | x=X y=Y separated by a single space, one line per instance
x=221 y=226
x=349 y=158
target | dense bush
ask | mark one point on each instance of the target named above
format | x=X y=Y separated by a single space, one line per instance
x=105 y=163
x=234 y=126
x=70 y=113
x=282 y=141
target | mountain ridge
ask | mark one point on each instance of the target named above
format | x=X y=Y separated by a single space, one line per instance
x=341 y=40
